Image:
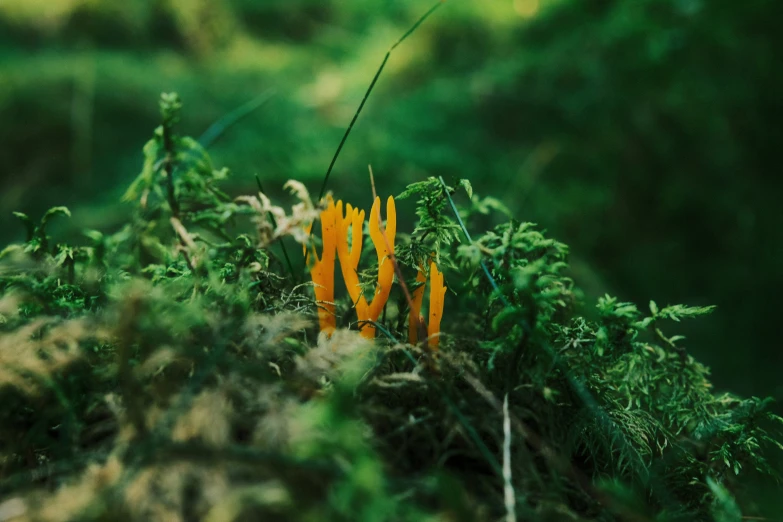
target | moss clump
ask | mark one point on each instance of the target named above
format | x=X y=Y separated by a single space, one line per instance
x=173 y=370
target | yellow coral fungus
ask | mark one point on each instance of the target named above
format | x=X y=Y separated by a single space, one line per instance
x=415 y=319
x=334 y=230
x=349 y=259
x=322 y=269
x=384 y=247
x=367 y=312
x=437 y=297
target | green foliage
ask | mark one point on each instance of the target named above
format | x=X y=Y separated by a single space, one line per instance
x=647 y=151
x=434 y=228
x=172 y=370
x=37 y=242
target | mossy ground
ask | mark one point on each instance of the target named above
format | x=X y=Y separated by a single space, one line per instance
x=173 y=370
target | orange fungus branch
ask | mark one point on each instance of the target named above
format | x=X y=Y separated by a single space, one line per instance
x=322 y=269
x=335 y=230
x=437 y=297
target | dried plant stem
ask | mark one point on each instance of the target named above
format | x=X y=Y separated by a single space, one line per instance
x=271 y=216
x=508 y=486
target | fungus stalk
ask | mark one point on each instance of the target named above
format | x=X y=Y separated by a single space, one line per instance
x=349 y=260
x=322 y=269
x=415 y=319
x=384 y=248
x=437 y=298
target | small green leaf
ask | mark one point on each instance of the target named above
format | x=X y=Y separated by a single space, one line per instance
x=464 y=183
x=28 y=224
x=724 y=507
x=52 y=212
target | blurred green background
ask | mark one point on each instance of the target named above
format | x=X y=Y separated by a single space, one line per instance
x=644 y=133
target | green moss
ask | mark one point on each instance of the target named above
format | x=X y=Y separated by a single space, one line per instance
x=172 y=369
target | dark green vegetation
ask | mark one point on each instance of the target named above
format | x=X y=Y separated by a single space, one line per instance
x=644 y=134
x=171 y=370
